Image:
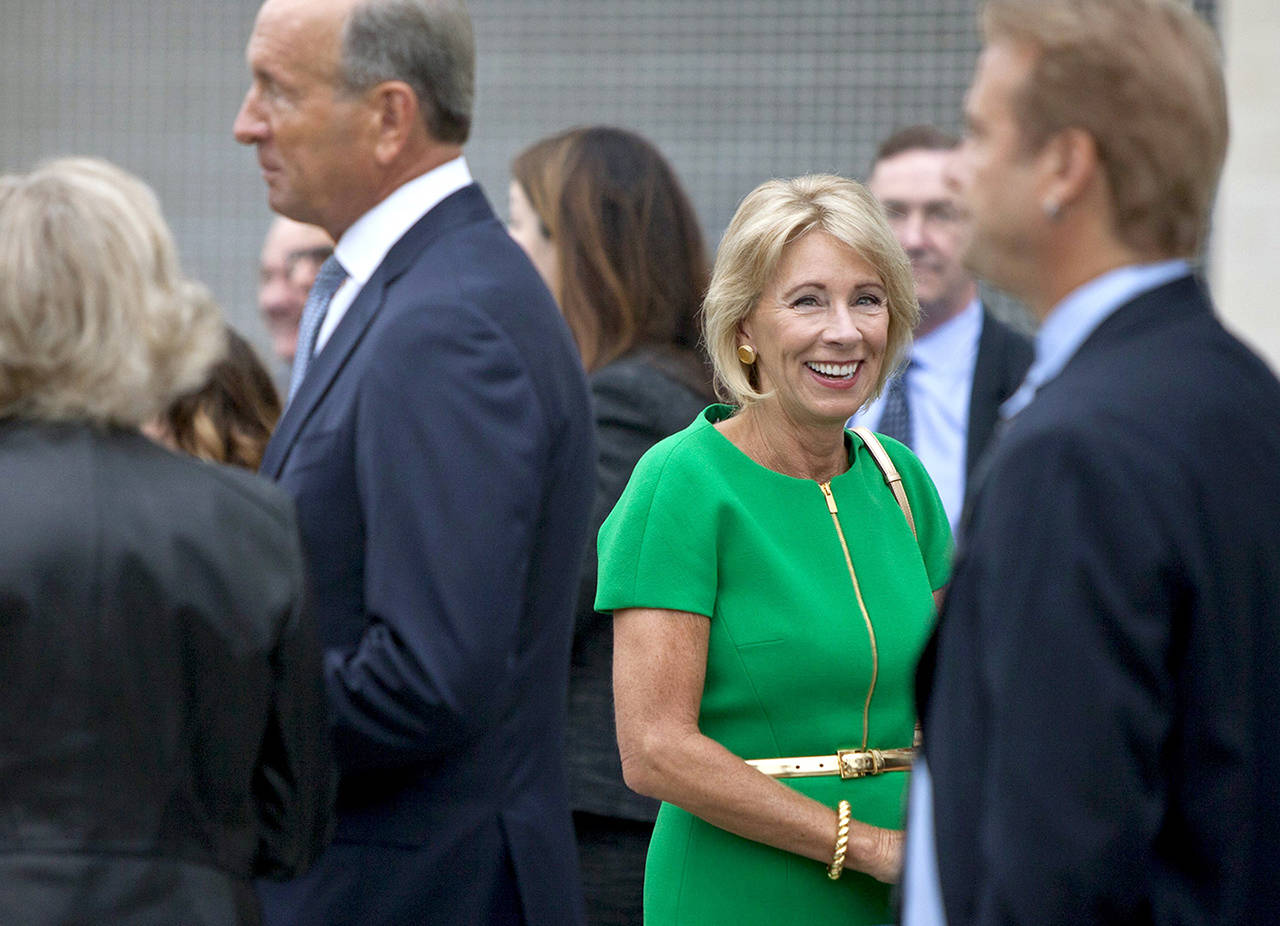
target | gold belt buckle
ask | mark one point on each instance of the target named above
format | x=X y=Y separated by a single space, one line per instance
x=859 y=763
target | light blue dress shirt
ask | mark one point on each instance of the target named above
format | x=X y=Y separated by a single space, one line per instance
x=938 y=390
x=1074 y=318
x=1066 y=327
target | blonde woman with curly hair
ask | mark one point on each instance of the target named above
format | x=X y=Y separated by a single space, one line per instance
x=162 y=734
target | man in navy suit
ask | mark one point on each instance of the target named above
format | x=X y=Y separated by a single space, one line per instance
x=965 y=362
x=438 y=443
x=1099 y=701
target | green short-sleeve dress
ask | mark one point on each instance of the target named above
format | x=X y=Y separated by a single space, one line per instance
x=703 y=528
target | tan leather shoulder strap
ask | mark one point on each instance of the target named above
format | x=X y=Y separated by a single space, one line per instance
x=889 y=471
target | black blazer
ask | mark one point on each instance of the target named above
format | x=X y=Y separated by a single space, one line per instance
x=1100 y=697
x=162 y=727
x=441 y=455
x=1004 y=355
x=638 y=400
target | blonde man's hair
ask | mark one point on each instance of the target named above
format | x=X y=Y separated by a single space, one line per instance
x=97 y=322
x=1144 y=78
x=774 y=215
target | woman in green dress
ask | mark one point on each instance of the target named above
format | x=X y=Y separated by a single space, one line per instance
x=770 y=593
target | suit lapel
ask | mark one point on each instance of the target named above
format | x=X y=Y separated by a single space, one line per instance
x=324 y=368
x=1001 y=363
x=463 y=207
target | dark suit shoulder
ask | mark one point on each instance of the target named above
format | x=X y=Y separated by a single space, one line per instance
x=470 y=263
x=1160 y=390
x=123 y=458
x=254 y=490
x=248 y=494
x=220 y=513
x=1166 y=350
x=1003 y=332
x=473 y=307
x=644 y=385
x=458 y=258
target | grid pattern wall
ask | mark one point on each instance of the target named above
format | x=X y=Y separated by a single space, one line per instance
x=733 y=91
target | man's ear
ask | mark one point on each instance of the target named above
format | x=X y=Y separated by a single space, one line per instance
x=1072 y=166
x=395 y=111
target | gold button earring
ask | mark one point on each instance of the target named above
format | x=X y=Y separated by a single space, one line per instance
x=747 y=354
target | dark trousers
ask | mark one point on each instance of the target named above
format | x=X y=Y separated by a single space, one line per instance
x=612 y=853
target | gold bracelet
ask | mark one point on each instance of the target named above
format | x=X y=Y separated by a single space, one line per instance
x=842 y=841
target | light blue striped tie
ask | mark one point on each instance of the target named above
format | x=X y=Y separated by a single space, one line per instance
x=330 y=277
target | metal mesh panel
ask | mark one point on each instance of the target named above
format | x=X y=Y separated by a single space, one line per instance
x=733 y=91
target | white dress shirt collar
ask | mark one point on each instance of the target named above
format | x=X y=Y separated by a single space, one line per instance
x=365 y=244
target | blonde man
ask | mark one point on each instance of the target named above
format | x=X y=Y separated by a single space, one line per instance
x=1099 y=700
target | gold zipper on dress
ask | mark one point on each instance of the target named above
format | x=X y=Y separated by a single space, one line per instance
x=857 y=591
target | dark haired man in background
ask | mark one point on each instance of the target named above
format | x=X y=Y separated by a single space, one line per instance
x=964 y=361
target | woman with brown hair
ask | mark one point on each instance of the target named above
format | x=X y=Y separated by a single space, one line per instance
x=230 y=418
x=604 y=219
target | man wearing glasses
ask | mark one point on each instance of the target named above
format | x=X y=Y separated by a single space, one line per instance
x=291 y=256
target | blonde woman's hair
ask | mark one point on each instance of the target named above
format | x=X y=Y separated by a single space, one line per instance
x=97 y=322
x=773 y=216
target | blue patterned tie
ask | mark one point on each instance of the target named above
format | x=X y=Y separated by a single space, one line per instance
x=330 y=277
x=895 y=419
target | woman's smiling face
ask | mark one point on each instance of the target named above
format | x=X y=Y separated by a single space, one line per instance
x=819 y=331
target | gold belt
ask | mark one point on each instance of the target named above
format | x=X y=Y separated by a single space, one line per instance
x=847 y=763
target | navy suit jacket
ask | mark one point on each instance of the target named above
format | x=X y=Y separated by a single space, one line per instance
x=1100 y=697
x=440 y=450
